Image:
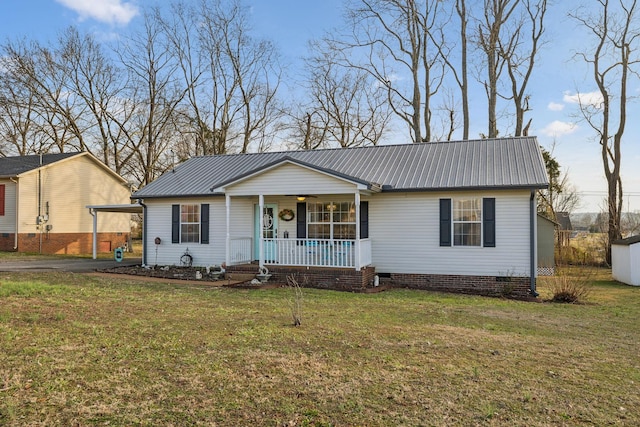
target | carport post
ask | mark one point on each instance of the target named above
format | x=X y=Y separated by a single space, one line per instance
x=95 y=232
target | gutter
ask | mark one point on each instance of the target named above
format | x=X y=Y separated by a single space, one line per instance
x=15 y=236
x=532 y=243
x=144 y=231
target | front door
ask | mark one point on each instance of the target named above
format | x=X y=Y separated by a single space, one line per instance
x=270 y=230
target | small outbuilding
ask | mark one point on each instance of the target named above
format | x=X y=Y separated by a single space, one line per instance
x=625 y=260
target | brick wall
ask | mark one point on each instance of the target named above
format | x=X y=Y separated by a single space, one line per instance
x=7 y=241
x=343 y=279
x=479 y=285
x=65 y=243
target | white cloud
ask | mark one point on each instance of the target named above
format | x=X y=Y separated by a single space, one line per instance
x=554 y=106
x=558 y=128
x=593 y=99
x=108 y=11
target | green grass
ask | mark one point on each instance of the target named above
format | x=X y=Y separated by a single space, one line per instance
x=84 y=350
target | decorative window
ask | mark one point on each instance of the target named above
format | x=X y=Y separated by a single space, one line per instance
x=190 y=223
x=468 y=222
x=331 y=220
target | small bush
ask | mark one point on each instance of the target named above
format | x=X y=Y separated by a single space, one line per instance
x=571 y=289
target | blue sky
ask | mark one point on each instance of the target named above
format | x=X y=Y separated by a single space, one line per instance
x=290 y=23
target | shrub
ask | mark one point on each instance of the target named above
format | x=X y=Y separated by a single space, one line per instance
x=567 y=288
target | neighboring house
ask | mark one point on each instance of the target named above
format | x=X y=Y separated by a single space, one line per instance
x=455 y=216
x=625 y=260
x=43 y=203
x=564 y=229
x=546 y=246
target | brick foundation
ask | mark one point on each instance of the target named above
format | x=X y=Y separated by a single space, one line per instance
x=345 y=279
x=342 y=279
x=62 y=243
x=508 y=286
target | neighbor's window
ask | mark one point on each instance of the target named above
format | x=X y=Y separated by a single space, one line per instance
x=331 y=220
x=190 y=223
x=467 y=222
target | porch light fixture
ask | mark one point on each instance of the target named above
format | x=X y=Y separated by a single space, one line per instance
x=301 y=198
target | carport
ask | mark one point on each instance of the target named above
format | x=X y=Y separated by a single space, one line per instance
x=130 y=208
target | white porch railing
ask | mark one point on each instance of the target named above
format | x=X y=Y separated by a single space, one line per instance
x=240 y=250
x=315 y=253
x=304 y=252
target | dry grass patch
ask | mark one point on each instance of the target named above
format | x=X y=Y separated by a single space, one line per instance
x=79 y=350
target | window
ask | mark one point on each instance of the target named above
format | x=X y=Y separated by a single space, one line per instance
x=190 y=223
x=467 y=222
x=331 y=220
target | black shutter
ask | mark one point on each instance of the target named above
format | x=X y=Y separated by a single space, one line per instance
x=364 y=220
x=489 y=222
x=301 y=221
x=204 y=224
x=175 y=223
x=445 y=222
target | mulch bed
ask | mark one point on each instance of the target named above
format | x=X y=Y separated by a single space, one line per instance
x=188 y=274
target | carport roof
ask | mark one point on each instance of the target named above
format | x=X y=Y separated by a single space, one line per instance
x=128 y=208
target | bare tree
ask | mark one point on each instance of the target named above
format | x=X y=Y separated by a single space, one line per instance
x=154 y=92
x=395 y=37
x=615 y=28
x=494 y=43
x=459 y=71
x=243 y=76
x=346 y=107
x=39 y=73
x=520 y=59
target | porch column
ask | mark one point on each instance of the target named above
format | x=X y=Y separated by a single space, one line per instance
x=227 y=256
x=261 y=235
x=94 y=240
x=357 y=247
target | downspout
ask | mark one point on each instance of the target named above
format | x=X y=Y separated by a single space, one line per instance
x=144 y=231
x=15 y=236
x=532 y=243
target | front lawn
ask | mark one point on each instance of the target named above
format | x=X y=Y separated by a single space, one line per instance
x=85 y=350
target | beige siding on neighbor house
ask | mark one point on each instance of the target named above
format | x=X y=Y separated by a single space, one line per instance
x=8 y=220
x=68 y=186
x=404 y=230
x=290 y=179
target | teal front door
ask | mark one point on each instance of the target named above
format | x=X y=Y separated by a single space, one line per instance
x=270 y=230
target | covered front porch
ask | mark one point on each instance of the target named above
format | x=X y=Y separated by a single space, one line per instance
x=301 y=217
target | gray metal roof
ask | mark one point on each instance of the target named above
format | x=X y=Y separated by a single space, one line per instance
x=16 y=165
x=628 y=241
x=475 y=164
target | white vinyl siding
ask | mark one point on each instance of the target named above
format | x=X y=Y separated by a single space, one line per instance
x=159 y=225
x=404 y=230
x=291 y=179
